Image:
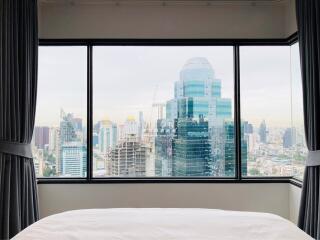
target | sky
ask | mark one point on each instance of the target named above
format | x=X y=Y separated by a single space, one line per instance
x=129 y=79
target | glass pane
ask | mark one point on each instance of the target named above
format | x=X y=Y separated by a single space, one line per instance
x=163 y=111
x=59 y=141
x=266 y=110
x=298 y=143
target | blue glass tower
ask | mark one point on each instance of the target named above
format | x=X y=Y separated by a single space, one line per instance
x=202 y=136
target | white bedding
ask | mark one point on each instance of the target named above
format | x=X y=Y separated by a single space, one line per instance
x=166 y=224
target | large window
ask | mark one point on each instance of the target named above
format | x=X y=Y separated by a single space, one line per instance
x=59 y=141
x=271 y=104
x=163 y=112
x=169 y=111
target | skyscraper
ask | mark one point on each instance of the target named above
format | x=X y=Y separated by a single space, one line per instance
x=53 y=139
x=77 y=124
x=68 y=135
x=108 y=135
x=67 y=128
x=74 y=159
x=191 y=151
x=197 y=113
x=140 y=126
x=263 y=132
x=289 y=137
x=229 y=150
x=247 y=127
x=41 y=137
x=130 y=127
x=163 y=149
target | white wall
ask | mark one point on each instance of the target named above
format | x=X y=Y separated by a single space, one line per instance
x=294 y=202
x=263 y=197
x=270 y=19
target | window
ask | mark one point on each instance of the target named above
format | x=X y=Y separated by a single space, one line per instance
x=59 y=142
x=298 y=148
x=271 y=113
x=163 y=112
x=168 y=111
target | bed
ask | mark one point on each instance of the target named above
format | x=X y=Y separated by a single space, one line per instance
x=166 y=224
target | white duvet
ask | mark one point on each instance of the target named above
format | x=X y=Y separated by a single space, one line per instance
x=164 y=224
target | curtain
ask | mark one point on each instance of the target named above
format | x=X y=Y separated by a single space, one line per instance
x=18 y=87
x=308 y=21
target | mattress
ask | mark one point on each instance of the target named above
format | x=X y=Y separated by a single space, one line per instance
x=166 y=224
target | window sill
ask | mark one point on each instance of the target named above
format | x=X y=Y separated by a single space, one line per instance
x=291 y=180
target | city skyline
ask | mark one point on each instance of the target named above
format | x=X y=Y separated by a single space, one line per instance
x=158 y=84
x=155 y=128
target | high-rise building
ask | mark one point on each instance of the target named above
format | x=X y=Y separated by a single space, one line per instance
x=197 y=113
x=41 y=137
x=247 y=127
x=229 y=150
x=140 y=126
x=108 y=135
x=289 y=137
x=263 y=132
x=53 y=139
x=67 y=128
x=67 y=134
x=95 y=139
x=201 y=90
x=128 y=158
x=74 y=158
x=130 y=127
x=77 y=122
x=163 y=149
x=191 y=151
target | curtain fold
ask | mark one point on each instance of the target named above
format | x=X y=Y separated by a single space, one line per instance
x=308 y=21
x=18 y=88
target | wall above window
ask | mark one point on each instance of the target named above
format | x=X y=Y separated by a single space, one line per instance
x=166 y=19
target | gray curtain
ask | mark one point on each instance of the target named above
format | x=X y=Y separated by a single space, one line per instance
x=308 y=20
x=18 y=87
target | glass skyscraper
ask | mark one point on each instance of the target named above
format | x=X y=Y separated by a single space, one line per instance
x=74 y=158
x=201 y=138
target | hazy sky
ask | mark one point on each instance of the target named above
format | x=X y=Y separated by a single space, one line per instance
x=127 y=80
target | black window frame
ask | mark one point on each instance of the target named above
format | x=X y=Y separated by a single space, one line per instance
x=235 y=43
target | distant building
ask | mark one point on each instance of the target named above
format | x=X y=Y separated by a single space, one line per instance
x=41 y=137
x=128 y=158
x=74 y=159
x=130 y=127
x=67 y=129
x=191 y=149
x=247 y=128
x=77 y=124
x=53 y=139
x=195 y=124
x=68 y=134
x=140 y=126
x=163 y=149
x=230 y=157
x=289 y=137
x=108 y=134
x=263 y=132
x=95 y=139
